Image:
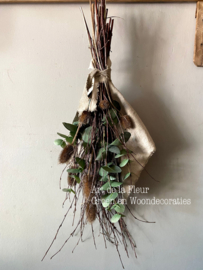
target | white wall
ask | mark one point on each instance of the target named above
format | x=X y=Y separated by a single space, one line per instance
x=43 y=67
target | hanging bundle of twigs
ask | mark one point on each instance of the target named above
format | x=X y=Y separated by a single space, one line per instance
x=95 y=151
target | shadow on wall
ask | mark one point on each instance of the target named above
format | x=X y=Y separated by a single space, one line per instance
x=139 y=67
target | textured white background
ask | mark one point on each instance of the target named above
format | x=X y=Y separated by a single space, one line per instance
x=43 y=67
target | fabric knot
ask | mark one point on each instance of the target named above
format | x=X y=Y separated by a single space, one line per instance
x=102 y=76
x=95 y=77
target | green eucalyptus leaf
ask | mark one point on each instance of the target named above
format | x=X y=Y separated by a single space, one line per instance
x=108 y=169
x=74 y=170
x=104 y=179
x=118 y=207
x=105 y=203
x=127 y=135
x=124 y=162
x=105 y=186
x=115 y=218
x=76 y=123
x=116 y=142
x=101 y=154
x=112 y=117
x=76 y=178
x=109 y=164
x=62 y=135
x=123 y=152
x=126 y=176
x=60 y=142
x=116 y=169
x=112 y=169
x=113 y=206
x=69 y=139
x=102 y=172
x=72 y=133
x=104 y=120
x=81 y=162
x=68 y=190
x=70 y=127
x=122 y=208
x=116 y=184
x=112 y=196
x=106 y=200
x=86 y=137
x=113 y=113
x=114 y=149
x=63 y=145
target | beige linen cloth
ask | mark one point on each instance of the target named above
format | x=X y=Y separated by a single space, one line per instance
x=140 y=141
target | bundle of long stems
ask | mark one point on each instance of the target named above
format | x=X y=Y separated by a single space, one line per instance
x=102 y=28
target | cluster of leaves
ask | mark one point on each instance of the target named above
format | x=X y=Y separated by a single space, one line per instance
x=108 y=173
x=74 y=173
x=68 y=139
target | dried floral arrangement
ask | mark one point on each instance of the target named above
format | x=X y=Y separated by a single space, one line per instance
x=107 y=147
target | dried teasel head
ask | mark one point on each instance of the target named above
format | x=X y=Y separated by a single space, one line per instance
x=126 y=121
x=71 y=180
x=66 y=153
x=104 y=104
x=87 y=185
x=91 y=212
x=85 y=117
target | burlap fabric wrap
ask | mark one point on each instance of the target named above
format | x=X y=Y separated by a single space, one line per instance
x=140 y=141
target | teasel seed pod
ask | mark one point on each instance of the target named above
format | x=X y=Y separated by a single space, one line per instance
x=66 y=153
x=126 y=121
x=104 y=104
x=71 y=180
x=91 y=212
x=84 y=117
x=87 y=186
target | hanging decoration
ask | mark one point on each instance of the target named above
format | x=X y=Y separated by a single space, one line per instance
x=107 y=146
